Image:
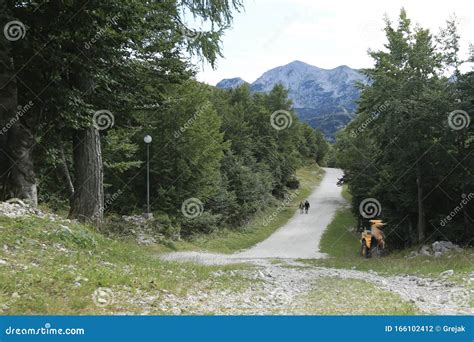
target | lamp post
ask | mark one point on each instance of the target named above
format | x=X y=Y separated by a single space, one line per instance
x=147 y=139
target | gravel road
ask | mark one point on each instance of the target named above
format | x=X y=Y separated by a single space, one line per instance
x=280 y=285
x=297 y=239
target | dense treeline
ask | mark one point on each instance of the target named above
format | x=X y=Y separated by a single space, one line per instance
x=84 y=81
x=219 y=149
x=409 y=151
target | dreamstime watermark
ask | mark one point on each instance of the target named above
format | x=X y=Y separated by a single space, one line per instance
x=14 y=30
x=22 y=110
x=107 y=203
x=458 y=119
x=103 y=296
x=179 y=132
x=100 y=32
x=192 y=208
x=43 y=198
x=370 y=208
x=46 y=330
x=103 y=119
x=281 y=119
x=465 y=200
x=372 y=117
x=149 y=106
x=281 y=207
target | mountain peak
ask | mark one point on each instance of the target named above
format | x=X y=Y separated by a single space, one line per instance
x=298 y=65
x=298 y=62
x=230 y=83
x=342 y=67
x=324 y=98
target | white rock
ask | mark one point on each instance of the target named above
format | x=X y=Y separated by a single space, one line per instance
x=447 y=273
x=66 y=228
x=16 y=201
x=3 y=262
x=425 y=250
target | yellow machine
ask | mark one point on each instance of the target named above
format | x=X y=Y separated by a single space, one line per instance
x=372 y=240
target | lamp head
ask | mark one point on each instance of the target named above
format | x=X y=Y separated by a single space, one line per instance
x=147 y=139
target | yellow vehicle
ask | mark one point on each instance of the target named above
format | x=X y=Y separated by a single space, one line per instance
x=373 y=240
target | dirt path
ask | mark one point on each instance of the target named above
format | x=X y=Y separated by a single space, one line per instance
x=298 y=239
x=281 y=289
x=279 y=286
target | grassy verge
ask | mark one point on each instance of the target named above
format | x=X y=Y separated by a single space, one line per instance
x=342 y=245
x=229 y=241
x=50 y=268
x=346 y=194
x=354 y=297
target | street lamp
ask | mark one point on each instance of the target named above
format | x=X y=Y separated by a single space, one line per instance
x=147 y=139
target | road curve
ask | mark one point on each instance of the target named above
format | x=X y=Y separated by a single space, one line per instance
x=297 y=239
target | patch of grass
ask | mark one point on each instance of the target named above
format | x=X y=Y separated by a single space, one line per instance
x=49 y=268
x=338 y=240
x=336 y=296
x=260 y=228
x=342 y=245
x=346 y=194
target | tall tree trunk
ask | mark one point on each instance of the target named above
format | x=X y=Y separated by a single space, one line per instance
x=412 y=236
x=462 y=152
x=421 y=226
x=22 y=182
x=16 y=140
x=63 y=172
x=8 y=105
x=88 y=199
x=468 y=222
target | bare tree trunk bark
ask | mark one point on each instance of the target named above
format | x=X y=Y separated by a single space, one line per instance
x=88 y=200
x=66 y=175
x=16 y=140
x=8 y=105
x=22 y=176
x=468 y=223
x=411 y=235
x=421 y=226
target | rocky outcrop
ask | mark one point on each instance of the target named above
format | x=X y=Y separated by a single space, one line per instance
x=436 y=249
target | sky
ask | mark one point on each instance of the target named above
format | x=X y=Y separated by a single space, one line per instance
x=270 y=33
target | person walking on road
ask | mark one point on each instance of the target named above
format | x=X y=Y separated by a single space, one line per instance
x=306 y=206
x=301 y=206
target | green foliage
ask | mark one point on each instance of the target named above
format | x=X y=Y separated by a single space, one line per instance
x=164 y=225
x=217 y=147
x=259 y=228
x=205 y=223
x=132 y=58
x=401 y=148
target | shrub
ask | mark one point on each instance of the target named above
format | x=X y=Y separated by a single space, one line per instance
x=205 y=223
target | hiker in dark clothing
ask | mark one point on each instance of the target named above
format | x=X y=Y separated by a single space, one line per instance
x=301 y=206
x=306 y=206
